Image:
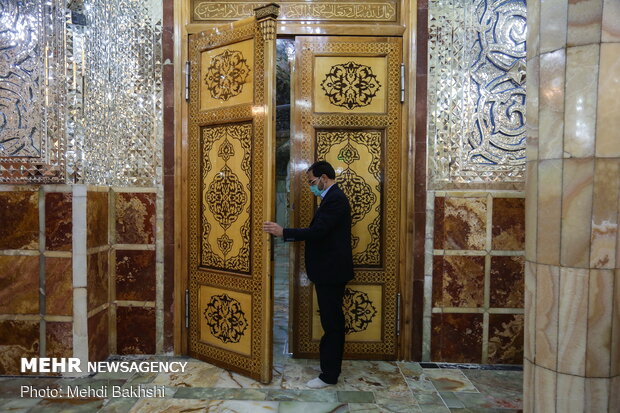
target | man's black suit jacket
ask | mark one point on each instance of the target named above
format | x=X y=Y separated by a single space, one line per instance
x=329 y=258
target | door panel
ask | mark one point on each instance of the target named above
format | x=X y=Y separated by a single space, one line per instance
x=231 y=173
x=347 y=112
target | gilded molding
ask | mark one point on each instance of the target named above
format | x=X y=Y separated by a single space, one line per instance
x=380 y=11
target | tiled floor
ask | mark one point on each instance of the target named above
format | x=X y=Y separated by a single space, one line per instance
x=364 y=386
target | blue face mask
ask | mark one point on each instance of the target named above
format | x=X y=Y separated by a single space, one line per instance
x=315 y=190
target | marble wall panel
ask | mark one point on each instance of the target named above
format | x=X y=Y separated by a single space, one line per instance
x=600 y=310
x=553 y=15
x=58 y=286
x=439 y=233
x=608 y=106
x=135 y=218
x=135 y=275
x=458 y=281
x=551 y=103
x=605 y=213
x=98 y=328
x=580 y=101
x=96 y=219
x=464 y=223
x=97 y=279
x=58 y=339
x=456 y=338
x=17 y=339
x=611 y=21
x=577 y=190
x=135 y=327
x=19 y=214
x=573 y=321
x=584 y=22
x=19 y=284
x=508 y=231
x=507 y=282
x=505 y=339
x=547 y=314
x=58 y=221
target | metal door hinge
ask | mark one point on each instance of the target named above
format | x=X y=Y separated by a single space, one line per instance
x=398 y=314
x=187 y=78
x=186 y=308
x=402 y=83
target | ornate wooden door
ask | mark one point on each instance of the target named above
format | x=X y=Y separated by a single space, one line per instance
x=347 y=112
x=231 y=192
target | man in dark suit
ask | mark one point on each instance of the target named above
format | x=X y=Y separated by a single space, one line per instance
x=329 y=264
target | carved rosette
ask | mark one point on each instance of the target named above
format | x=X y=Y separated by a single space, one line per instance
x=359 y=311
x=227 y=74
x=226 y=197
x=350 y=85
x=225 y=318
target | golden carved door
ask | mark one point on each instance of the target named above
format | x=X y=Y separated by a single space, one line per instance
x=348 y=112
x=231 y=192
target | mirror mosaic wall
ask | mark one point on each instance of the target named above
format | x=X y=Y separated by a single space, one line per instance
x=80 y=92
x=476 y=94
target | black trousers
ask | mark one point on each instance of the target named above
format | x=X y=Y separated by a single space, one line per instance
x=329 y=297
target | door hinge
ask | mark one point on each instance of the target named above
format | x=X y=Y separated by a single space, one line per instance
x=402 y=83
x=187 y=78
x=398 y=314
x=186 y=308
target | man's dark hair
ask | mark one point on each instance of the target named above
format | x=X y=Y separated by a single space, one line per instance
x=322 y=167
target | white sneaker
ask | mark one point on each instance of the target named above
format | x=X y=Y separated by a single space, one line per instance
x=317 y=383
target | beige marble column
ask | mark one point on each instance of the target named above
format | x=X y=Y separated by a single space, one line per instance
x=572 y=340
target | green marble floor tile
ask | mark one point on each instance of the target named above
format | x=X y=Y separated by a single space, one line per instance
x=480 y=410
x=431 y=403
x=220 y=393
x=451 y=400
x=120 y=405
x=356 y=397
x=68 y=406
x=141 y=378
x=303 y=395
x=11 y=387
x=489 y=401
x=451 y=380
x=304 y=407
x=17 y=405
x=364 y=408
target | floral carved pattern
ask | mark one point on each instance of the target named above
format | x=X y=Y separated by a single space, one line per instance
x=348 y=154
x=358 y=311
x=227 y=74
x=350 y=85
x=225 y=318
x=359 y=193
x=226 y=197
x=358 y=154
x=226 y=150
x=225 y=244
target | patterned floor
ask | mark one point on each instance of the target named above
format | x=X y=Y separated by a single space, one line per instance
x=365 y=386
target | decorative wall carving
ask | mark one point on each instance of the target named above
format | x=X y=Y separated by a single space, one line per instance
x=32 y=102
x=380 y=11
x=476 y=94
x=117 y=136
